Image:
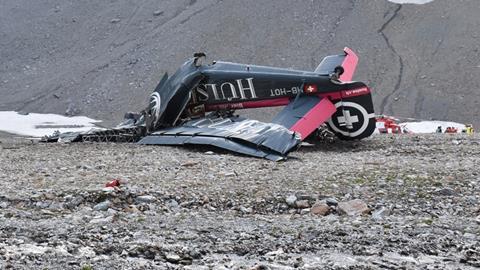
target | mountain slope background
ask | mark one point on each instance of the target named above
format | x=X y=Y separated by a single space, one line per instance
x=103 y=58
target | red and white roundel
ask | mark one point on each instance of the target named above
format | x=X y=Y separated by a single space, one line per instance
x=351 y=120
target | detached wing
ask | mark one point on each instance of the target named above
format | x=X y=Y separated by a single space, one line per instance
x=249 y=137
x=305 y=114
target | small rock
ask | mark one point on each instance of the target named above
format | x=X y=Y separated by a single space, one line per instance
x=353 y=207
x=111 y=212
x=116 y=20
x=209 y=153
x=157 y=13
x=456 y=142
x=103 y=206
x=172 y=203
x=290 y=200
x=275 y=253
x=332 y=202
x=86 y=252
x=260 y=267
x=189 y=164
x=302 y=204
x=173 y=258
x=305 y=197
x=380 y=213
x=74 y=202
x=145 y=199
x=477 y=219
x=131 y=209
x=445 y=192
x=230 y=174
x=108 y=190
x=245 y=210
x=108 y=219
x=304 y=211
x=320 y=209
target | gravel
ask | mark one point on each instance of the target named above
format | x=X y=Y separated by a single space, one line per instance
x=422 y=192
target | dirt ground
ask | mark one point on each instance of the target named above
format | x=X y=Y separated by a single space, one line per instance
x=179 y=208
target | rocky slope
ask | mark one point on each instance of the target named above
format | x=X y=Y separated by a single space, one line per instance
x=396 y=202
x=103 y=58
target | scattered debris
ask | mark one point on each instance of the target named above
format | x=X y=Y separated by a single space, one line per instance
x=113 y=183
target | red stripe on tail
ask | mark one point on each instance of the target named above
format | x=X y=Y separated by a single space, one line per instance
x=314 y=118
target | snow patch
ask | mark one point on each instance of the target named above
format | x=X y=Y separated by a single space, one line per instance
x=39 y=125
x=418 y=2
x=430 y=126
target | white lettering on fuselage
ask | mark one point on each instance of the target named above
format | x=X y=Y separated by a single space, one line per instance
x=284 y=91
x=227 y=91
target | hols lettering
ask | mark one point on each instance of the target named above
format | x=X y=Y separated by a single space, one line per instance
x=239 y=90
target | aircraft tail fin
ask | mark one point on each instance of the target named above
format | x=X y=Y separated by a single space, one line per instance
x=344 y=64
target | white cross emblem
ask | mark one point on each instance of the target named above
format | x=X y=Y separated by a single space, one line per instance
x=310 y=89
x=347 y=120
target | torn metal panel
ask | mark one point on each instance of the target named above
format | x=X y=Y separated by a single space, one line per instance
x=237 y=134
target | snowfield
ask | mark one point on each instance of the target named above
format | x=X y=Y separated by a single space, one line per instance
x=39 y=125
x=430 y=126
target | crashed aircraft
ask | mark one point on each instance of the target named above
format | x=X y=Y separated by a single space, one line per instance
x=196 y=106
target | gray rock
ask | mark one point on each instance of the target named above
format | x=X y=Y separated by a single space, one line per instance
x=173 y=258
x=290 y=200
x=380 y=213
x=145 y=199
x=105 y=220
x=302 y=204
x=103 y=206
x=73 y=202
x=245 y=210
x=445 y=192
x=116 y=20
x=157 y=12
x=353 y=207
x=172 y=203
x=331 y=201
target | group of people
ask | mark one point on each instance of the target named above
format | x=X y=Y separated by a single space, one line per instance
x=468 y=129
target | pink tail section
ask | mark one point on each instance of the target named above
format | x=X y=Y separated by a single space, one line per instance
x=349 y=65
x=314 y=118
